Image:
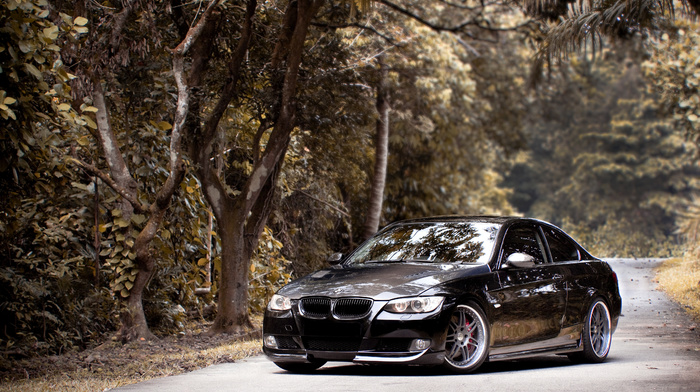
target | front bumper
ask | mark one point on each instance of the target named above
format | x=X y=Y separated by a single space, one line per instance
x=378 y=338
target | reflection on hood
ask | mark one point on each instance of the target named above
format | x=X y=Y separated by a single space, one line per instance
x=381 y=281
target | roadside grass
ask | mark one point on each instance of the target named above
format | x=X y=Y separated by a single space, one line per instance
x=680 y=279
x=113 y=364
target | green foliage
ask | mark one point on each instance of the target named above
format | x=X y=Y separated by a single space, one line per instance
x=605 y=164
x=58 y=290
x=455 y=120
x=268 y=271
x=673 y=71
x=47 y=300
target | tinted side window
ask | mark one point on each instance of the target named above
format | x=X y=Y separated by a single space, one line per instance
x=560 y=246
x=523 y=240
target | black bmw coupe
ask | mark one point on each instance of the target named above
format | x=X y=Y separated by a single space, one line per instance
x=452 y=291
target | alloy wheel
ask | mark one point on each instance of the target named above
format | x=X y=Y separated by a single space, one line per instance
x=599 y=329
x=466 y=345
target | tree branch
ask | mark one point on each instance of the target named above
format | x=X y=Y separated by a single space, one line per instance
x=229 y=90
x=450 y=29
x=371 y=29
x=329 y=205
x=92 y=169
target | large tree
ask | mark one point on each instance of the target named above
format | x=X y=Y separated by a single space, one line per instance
x=241 y=217
x=117 y=42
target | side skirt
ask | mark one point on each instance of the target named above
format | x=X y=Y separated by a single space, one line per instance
x=531 y=353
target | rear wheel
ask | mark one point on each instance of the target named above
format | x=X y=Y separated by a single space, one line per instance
x=466 y=346
x=597 y=334
x=300 y=367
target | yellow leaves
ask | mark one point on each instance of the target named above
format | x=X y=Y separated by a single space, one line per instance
x=5 y=110
x=88 y=121
x=162 y=125
x=64 y=107
x=138 y=219
x=202 y=262
x=79 y=26
x=34 y=71
x=85 y=119
x=191 y=186
x=51 y=33
x=121 y=222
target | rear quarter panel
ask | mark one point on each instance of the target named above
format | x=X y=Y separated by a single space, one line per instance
x=587 y=280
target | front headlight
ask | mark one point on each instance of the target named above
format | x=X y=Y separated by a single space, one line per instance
x=414 y=305
x=279 y=303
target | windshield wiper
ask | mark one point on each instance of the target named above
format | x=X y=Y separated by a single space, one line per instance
x=421 y=261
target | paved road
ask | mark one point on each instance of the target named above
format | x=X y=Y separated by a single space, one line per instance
x=655 y=348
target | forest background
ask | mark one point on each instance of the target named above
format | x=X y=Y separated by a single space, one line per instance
x=163 y=162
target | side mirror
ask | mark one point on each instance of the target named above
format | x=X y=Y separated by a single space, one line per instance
x=520 y=260
x=335 y=258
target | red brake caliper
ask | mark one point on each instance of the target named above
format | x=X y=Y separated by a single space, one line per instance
x=469 y=335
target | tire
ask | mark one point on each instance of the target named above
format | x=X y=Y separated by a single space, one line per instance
x=300 y=367
x=596 y=336
x=466 y=345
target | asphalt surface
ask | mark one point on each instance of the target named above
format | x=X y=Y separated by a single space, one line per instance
x=655 y=348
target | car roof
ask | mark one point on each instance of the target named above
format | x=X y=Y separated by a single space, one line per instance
x=464 y=218
x=504 y=221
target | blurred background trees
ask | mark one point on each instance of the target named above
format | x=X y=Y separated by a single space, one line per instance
x=604 y=162
x=605 y=146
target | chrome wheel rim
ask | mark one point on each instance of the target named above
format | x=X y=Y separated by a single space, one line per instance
x=599 y=329
x=466 y=337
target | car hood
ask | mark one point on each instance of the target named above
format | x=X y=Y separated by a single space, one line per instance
x=381 y=281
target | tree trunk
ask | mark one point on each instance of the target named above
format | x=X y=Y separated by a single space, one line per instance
x=132 y=317
x=118 y=169
x=376 y=198
x=241 y=227
x=232 y=315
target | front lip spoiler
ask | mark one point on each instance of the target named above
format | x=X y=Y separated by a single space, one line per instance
x=288 y=357
x=377 y=359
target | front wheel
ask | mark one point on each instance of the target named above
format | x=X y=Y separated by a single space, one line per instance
x=597 y=334
x=466 y=346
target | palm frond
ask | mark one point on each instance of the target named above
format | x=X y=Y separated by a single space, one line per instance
x=587 y=22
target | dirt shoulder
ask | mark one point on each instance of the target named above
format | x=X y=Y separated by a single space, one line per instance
x=113 y=364
x=680 y=280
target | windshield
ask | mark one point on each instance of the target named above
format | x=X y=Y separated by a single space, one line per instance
x=450 y=242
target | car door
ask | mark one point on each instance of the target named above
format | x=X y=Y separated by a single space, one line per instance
x=577 y=273
x=530 y=300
